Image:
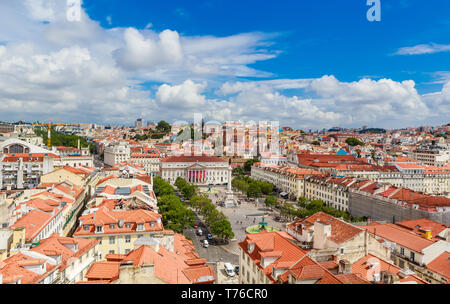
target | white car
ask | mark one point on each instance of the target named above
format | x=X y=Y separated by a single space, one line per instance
x=229 y=269
x=205 y=243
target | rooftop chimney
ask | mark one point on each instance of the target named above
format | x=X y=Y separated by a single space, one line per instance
x=345 y=267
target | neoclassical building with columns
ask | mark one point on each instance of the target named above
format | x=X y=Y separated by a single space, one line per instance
x=199 y=170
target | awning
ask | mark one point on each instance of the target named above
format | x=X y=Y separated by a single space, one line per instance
x=283 y=194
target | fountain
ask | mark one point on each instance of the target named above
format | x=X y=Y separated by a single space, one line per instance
x=262 y=226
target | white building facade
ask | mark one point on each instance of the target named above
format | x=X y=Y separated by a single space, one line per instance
x=199 y=170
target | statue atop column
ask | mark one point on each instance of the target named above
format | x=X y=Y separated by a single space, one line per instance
x=229 y=199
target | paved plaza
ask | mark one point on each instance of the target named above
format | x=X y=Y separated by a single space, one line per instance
x=245 y=215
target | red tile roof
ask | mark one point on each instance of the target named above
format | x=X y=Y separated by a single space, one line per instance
x=399 y=236
x=441 y=265
x=363 y=267
x=340 y=230
x=192 y=159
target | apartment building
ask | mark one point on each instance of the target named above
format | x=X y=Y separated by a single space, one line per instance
x=166 y=259
x=432 y=156
x=330 y=239
x=40 y=220
x=413 y=252
x=150 y=162
x=389 y=203
x=116 y=153
x=117 y=229
x=333 y=191
x=134 y=192
x=400 y=173
x=22 y=164
x=20 y=171
x=273 y=258
x=54 y=260
x=74 y=256
x=287 y=179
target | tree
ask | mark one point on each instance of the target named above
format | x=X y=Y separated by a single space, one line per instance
x=175 y=215
x=249 y=163
x=266 y=188
x=351 y=141
x=163 y=126
x=222 y=229
x=180 y=183
x=288 y=211
x=254 y=191
x=238 y=171
x=214 y=217
x=315 y=206
x=302 y=202
x=198 y=201
x=207 y=209
x=189 y=191
x=270 y=201
x=161 y=187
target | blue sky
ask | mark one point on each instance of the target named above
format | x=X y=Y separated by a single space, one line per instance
x=314 y=37
x=308 y=64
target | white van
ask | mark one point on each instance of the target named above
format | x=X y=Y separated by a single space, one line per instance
x=229 y=269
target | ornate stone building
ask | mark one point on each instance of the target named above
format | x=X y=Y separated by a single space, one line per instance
x=199 y=170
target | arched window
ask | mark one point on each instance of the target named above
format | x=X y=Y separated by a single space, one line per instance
x=16 y=148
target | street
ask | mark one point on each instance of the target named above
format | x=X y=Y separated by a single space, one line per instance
x=214 y=253
x=245 y=215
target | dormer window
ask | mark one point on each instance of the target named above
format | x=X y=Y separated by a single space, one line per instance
x=128 y=225
x=111 y=226
x=152 y=224
x=250 y=248
x=140 y=227
x=86 y=227
x=98 y=228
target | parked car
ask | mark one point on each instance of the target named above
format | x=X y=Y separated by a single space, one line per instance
x=229 y=270
x=205 y=243
x=210 y=237
x=199 y=232
x=195 y=226
x=236 y=269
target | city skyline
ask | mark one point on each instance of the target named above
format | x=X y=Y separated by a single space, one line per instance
x=311 y=66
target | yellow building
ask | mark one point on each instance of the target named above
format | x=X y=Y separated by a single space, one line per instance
x=117 y=229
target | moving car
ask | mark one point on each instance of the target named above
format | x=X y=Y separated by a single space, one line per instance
x=229 y=270
x=205 y=243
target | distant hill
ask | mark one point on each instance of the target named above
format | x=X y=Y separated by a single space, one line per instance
x=373 y=130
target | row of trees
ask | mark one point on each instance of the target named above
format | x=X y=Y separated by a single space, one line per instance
x=251 y=187
x=215 y=220
x=286 y=210
x=352 y=141
x=175 y=215
x=308 y=208
x=62 y=139
x=186 y=188
x=161 y=187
